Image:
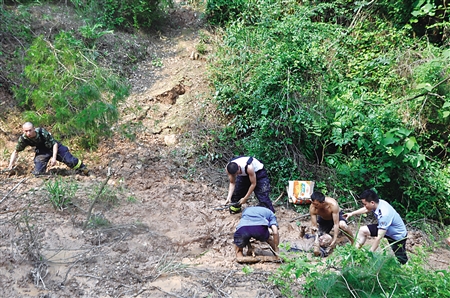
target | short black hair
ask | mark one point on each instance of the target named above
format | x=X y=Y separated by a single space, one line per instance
x=369 y=196
x=318 y=196
x=232 y=168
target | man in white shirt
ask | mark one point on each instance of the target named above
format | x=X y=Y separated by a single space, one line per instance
x=390 y=225
x=247 y=175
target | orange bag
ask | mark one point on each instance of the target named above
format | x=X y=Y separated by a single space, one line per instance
x=299 y=192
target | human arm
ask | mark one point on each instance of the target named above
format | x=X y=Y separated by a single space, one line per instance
x=275 y=240
x=376 y=243
x=252 y=177
x=356 y=212
x=55 y=152
x=335 y=215
x=231 y=187
x=13 y=159
x=313 y=215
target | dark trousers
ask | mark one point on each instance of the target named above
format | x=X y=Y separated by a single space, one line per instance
x=262 y=189
x=399 y=248
x=43 y=155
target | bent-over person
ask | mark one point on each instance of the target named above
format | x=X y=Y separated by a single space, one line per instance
x=247 y=175
x=326 y=214
x=255 y=223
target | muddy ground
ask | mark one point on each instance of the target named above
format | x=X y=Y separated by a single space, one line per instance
x=154 y=232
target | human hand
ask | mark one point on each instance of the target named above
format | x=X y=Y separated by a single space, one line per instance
x=242 y=201
x=348 y=215
x=52 y=161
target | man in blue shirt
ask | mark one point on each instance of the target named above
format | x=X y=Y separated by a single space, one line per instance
x=390 y=225
x=255 y=223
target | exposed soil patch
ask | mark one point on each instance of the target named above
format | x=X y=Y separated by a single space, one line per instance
x=155 y=232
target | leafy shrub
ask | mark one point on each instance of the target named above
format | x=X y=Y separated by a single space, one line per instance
x=14 y=28
x=122 y=14
x=68 y=91
x=220 y=12
x=351 y=272
x=354 y=101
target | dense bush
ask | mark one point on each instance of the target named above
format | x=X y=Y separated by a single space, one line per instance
x=14 y=28
x=366 y=101
x=122 y=14
x=65 y=89
x=350 y=272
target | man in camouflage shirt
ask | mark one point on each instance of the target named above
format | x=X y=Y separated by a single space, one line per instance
x=47 y=149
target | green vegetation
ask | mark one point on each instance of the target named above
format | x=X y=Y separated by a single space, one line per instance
x=65 y=88
x=106 y=194
x=351 y=272
x=61 y=192
x=342 y=93
x=127 y=14
x=61 y=80
x=98 y=220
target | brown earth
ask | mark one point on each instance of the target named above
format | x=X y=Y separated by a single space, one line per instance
x=155 y=232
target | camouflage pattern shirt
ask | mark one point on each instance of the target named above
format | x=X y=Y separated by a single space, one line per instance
x=43 y=139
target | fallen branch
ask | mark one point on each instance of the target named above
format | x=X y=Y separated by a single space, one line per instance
x=298 y=217
x=12 y=189
x=96 y=198
x=257 y=259
x=282 y=193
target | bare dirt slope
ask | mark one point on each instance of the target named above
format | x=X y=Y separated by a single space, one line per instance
x=155 y=232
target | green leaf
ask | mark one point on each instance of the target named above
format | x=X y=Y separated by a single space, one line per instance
x=446 y=54
x=398 y=150
x=410 y=143
x=426 y=86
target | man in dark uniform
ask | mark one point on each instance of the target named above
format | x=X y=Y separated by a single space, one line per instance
x=47 y=149
x=247 y=175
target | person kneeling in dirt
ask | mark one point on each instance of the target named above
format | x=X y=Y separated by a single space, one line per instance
x=247 y=175
x=255 y=223
x=47 y=149
x=326 y=213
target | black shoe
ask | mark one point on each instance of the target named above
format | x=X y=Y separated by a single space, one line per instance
x=37 y=174
x=83 y=170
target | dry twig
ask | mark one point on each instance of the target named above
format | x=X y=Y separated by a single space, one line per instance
x=299 y=217
x=13 y=189
x=96 y=198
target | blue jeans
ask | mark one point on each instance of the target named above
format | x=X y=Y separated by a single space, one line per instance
x=43 y=155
